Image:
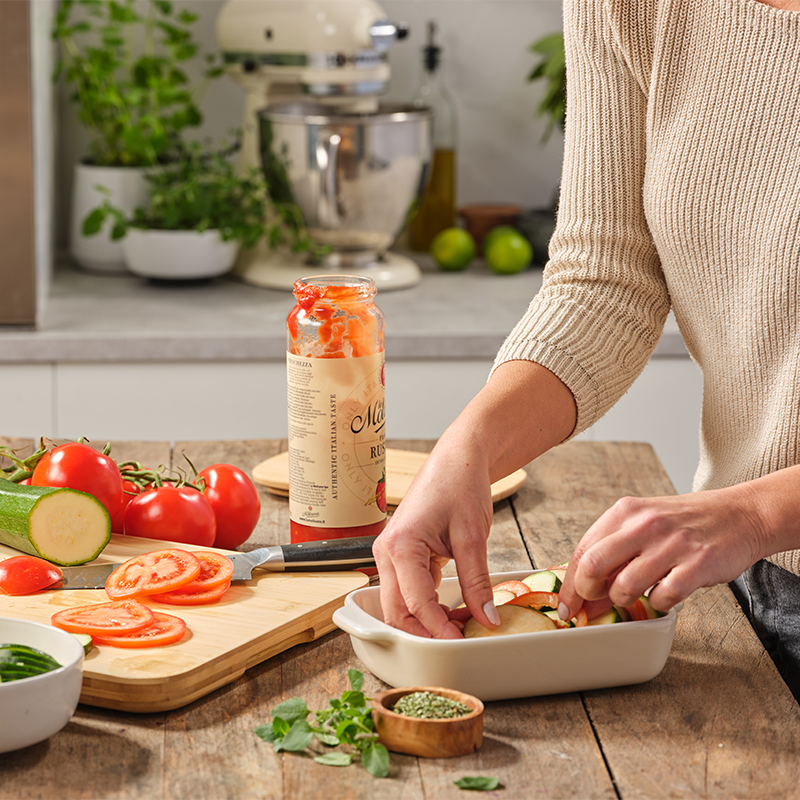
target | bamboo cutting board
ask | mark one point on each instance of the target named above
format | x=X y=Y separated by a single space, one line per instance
x=401 y=467
x=254 y=621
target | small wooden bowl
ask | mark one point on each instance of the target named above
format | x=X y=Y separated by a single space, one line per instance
x=428 y=738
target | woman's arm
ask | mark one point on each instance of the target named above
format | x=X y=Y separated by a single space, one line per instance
x=681 y=543
x=521 y=412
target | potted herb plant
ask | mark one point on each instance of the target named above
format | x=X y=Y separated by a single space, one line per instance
x=199 y=209
x=537 y=224
x=126 y=72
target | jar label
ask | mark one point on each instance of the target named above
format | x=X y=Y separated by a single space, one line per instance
x=337 y=435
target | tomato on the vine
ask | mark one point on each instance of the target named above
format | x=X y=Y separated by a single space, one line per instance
x=78 y=466
x=236 y=503
x=176 y=514
x=27 y=574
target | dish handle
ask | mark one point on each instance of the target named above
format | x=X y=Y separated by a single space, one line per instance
x=354 y=620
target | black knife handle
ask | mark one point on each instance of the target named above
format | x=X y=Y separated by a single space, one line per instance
x=330 y=554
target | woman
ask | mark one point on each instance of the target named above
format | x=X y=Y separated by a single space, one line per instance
x=681 y=189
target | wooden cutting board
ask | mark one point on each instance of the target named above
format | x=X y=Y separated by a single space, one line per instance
x=254 y=621
x=401 y=467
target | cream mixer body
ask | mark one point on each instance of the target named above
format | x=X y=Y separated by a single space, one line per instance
x=313 y=72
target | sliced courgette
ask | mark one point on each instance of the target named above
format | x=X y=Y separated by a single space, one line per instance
x=85 y=640
x=19 y=661
x=61 y=525
x=544 y=581
x=606 y=618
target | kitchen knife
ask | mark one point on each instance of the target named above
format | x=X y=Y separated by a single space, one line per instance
x=326 y=555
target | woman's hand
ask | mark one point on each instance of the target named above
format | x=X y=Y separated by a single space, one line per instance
x=674 y=544
x=446 y=514
x=523 y=410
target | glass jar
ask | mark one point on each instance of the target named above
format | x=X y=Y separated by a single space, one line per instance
x=335 y=377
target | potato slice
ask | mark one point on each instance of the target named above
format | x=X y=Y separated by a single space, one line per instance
x=513 y=619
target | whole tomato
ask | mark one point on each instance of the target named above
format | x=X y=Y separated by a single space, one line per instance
x=78 y=466
x=176 y=514
x=236 y=504
x=27 y=574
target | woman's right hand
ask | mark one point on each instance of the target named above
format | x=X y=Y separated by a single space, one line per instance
x=522 y=411
x=447 y=514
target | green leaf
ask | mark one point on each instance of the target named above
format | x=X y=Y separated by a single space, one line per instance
x=356 y=679
x=265 y=732
x=477 y=783
x=94 y=221
x=291 y=710
x=337 y=759
x=375 y=759
x=299 y=737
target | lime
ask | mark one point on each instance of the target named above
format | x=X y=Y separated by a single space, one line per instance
x=453 y=249
x=508 y=252
x=495 y=233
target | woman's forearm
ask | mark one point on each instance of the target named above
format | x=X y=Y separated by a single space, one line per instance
x=521 y=412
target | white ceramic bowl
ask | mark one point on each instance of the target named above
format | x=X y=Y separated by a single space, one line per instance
x=33 y=709
x=178 y=255
x=502 y=667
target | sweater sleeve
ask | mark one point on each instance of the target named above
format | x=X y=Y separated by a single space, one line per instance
x=604 y=300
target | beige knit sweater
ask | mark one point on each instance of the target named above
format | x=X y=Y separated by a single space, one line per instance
x=681 y=188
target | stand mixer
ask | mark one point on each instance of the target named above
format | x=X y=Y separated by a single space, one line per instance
x=312 y=73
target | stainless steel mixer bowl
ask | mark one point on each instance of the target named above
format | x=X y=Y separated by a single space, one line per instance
x=353 y=176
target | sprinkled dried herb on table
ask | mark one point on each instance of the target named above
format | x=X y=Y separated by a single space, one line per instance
x=428 y=705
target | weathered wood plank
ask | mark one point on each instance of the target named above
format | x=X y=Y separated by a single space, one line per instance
x=682 y=734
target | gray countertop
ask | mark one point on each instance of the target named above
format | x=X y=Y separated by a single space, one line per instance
x=97 y=318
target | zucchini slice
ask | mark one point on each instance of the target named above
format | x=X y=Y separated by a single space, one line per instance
x=61 y=525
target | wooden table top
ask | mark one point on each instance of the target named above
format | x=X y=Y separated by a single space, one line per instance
x=718 y=722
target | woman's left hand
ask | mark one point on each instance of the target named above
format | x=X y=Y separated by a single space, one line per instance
x=673 y=544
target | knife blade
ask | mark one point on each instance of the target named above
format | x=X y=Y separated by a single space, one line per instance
x=327 y=555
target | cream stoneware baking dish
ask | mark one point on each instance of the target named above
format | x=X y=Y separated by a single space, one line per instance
x=503 y=667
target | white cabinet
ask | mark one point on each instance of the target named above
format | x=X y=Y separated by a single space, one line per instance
x=247 y=400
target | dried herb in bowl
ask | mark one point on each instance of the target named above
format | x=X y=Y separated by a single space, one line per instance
x=428 y=705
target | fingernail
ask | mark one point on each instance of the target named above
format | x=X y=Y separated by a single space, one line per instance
x=491 y=612
x=563 y=611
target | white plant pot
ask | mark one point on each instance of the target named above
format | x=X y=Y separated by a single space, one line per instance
x=128 y=188
x=178 y=255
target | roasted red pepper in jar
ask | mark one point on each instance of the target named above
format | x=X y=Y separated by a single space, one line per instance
x=335 y=370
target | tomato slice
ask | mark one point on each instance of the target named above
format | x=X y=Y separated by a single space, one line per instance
x=637 y=611
x=516 y=587
x=164 y=629
x=153 y=573
x=184 y=598
x=27 y=574
x=109 y=619
x=539 y=600
x=215 y=569
x=536 y=600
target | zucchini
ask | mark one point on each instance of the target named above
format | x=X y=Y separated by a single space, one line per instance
x=607 y=617
x=61 y=525
x=544 y=581
x=19 y=661
x=85 y=640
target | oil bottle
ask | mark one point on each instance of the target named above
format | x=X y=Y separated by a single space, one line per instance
x=437 y=207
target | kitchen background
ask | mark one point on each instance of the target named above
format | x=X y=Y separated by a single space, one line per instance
x=52 y=389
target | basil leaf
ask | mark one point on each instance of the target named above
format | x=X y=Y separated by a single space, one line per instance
x=291 y=710
x=356 y=679
x=265 y=732
x=335 y=759
x=376 y=760
x=299 y=737
x=477 y=783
